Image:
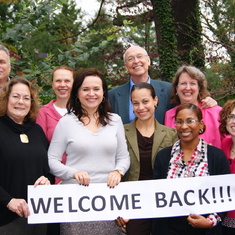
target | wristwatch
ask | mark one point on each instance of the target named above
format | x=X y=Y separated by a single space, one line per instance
x=120 y=172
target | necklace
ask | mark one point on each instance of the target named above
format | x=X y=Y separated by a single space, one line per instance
x=24 y=138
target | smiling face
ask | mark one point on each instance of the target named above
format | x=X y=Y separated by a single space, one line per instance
x=143 y=104
x=188 y=132
x=91 y=93
x=187 y=89
x=230 y=124
x=137 y=62
x=62 y=83
x=17 y=109
x=5 y=67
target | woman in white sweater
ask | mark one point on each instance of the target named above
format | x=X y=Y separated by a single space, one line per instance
x=94 y=142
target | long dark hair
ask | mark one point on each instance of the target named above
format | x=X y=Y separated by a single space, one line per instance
x=74 y=104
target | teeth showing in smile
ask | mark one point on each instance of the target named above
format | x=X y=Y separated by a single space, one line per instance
x=187 y=93
x=91 y=100
x=185 y=133
x=137 y=67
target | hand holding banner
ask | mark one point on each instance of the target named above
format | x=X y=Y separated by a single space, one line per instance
x=131 y=200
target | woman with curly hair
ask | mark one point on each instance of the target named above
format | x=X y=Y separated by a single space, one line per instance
x=227 y=127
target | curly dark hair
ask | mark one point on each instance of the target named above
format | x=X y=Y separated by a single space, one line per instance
x=228 y=107
x=194 y=73
x=74 y=104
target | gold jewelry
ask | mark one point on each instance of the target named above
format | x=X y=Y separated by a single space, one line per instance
x=24 y=138
x=120 y=172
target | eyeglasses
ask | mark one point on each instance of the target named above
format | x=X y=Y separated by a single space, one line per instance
x=17 y=98
x=188 y=122
x=231 y=117
x=132 y=58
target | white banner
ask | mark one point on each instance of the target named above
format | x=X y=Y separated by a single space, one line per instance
x=131 y=200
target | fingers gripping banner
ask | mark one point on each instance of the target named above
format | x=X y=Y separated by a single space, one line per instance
x=131 y=200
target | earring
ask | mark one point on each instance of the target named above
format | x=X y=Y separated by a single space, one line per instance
x=200 y=131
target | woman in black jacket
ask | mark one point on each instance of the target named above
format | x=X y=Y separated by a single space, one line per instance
x=23 y=156
x=190 y=156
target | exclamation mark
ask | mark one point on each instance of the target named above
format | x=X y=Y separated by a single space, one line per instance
x=221 y=193
x=213 y=194
x=229 y=195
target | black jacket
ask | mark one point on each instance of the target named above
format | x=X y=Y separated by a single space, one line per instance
x=217 y=165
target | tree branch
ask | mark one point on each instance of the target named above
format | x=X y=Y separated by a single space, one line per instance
x=204 y=35
x=89 y=26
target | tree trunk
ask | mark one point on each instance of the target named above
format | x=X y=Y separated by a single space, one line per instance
x=188 y=31
x=166 y=40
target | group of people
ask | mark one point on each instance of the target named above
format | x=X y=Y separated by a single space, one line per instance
x=171 y=130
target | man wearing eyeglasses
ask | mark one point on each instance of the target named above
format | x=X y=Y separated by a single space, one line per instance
x=5 y=66
x=137 y=62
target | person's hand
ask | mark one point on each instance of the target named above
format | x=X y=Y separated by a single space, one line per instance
x=208 y=102
x=42 y=181
x=82 y=177
x=199 y=221
x=114 y=179
x=122 y=223
x=19 y=206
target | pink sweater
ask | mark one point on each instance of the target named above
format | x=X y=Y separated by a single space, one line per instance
x=48 y=118
x=226 y=146
x=210 y=118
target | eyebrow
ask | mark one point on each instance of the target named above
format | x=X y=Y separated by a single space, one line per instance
x=20 y=94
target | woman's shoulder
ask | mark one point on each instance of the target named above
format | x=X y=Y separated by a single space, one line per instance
x=68 y=117
x=166 y=128
x=114 y=117
x=227 y=141
x=212 y=110
x=165 y=151
x=212 y=150
x=48 y=105
x=171 y=111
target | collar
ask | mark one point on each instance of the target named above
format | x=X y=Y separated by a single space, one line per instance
x=132 y=83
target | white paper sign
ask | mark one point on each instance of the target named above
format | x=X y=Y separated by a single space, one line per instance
x=131 y=200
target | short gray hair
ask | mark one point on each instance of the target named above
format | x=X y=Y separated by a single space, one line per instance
x=3 y=48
